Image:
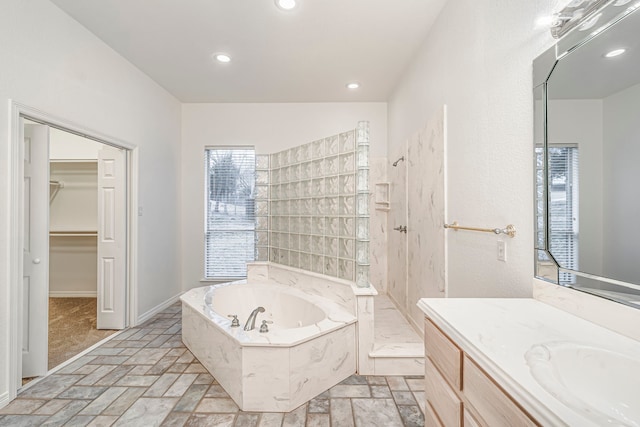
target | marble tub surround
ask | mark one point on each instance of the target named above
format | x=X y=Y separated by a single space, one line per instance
x=356 y=300
x=498 y=333
x=285 y=306
x=275 y=371
x=341 y=292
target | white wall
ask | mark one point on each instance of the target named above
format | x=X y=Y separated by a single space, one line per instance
x=68 y=146
x=579 y=122
x=52 y=63
x=269 y=128
x=621 y=177
x=477 y=59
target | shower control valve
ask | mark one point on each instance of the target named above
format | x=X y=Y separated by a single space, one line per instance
x=401 y=228
x=234 y=322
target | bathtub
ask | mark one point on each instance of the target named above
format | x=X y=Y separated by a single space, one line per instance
x=310 y=346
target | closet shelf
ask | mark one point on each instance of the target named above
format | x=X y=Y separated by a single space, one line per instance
x=73 y=160
x=74 y=233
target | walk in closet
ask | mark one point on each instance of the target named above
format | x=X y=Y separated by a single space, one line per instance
x=73 y=215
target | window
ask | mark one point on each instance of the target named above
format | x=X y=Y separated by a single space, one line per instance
x=563 y=206
x=230 y=219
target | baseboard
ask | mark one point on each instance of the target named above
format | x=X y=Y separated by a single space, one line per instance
x=157 y=309
x=73 y=294
x=4 y=399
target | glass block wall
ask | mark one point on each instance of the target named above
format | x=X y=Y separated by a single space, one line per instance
x=312 y=206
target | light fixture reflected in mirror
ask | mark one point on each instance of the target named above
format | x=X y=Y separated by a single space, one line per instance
x=614 y=53
x=222 y=57
x=353 y=85
x=286 y=4
x=544 y=21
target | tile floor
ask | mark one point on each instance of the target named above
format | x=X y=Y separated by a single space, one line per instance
x=146 y=377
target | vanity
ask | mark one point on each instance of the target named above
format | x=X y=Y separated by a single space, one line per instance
x=570 y=356
x=522 y=362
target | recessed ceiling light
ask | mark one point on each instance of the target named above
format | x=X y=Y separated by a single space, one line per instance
x=614 y=53
x=222 y=57
x=286 y=4
x=353 y=85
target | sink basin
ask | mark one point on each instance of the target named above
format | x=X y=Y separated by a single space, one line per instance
x=601 y=385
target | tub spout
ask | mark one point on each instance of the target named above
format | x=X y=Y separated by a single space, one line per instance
x=251 y=321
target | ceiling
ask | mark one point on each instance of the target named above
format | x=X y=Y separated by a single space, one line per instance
x=308 y=54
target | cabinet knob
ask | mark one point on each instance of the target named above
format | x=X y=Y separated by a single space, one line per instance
x=36 y=261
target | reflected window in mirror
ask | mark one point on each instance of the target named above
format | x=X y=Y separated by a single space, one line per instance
x=563 y=206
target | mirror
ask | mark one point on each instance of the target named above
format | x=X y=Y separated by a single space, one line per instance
x=587 y=158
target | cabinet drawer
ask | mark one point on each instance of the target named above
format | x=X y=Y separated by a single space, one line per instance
x=430 y=417
x=492 y=404
x=443 y=352
x=441 y=396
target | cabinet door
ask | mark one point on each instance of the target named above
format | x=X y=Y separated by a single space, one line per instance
x=441 y=396
x=430 y=417
x=444 y=353
x=492 y=404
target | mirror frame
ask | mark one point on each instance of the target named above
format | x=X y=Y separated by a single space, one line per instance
x=545 y=266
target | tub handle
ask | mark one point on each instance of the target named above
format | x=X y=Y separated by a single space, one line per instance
x=264 y=328
x=234 y=322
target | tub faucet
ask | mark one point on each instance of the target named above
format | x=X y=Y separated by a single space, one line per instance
x=251 y=321
x=264 y=328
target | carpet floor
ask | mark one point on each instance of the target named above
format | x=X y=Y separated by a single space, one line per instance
x=72 y=328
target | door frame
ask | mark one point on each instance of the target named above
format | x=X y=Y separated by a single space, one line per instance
x=16 y=225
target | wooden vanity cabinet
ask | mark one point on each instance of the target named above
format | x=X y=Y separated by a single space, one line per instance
x=459 y=393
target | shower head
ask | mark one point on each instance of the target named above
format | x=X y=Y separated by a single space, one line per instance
x=398 y=161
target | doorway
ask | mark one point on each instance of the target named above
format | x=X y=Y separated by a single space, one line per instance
x=38 y=227
x=73 y=245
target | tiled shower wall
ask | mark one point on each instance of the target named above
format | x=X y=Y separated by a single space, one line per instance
x=312 y=206
x=417 y=263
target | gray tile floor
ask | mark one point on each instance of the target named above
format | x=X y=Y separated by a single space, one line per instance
x=146 y=377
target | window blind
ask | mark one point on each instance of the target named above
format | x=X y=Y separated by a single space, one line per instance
x=230 y=212
x=563 y=207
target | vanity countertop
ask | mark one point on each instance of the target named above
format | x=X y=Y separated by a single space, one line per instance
x=497 y=333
